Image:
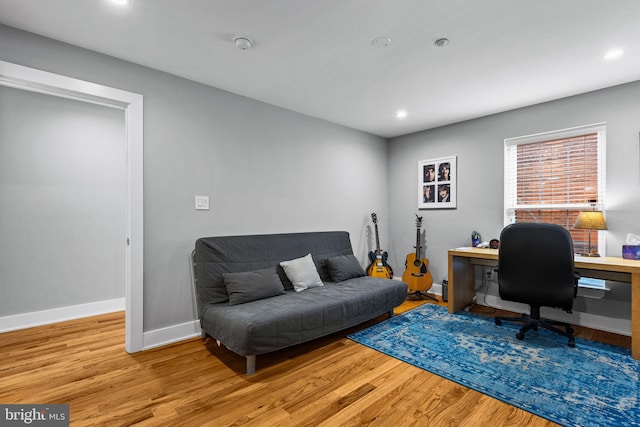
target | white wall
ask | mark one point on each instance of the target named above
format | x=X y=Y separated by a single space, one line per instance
x=265 y=169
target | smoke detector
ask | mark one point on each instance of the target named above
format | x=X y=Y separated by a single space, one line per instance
x=242 y=42
x=381 y=42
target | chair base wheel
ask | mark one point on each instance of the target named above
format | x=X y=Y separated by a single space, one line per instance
x=534 y=322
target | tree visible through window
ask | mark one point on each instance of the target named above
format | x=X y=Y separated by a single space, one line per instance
x=552 y=177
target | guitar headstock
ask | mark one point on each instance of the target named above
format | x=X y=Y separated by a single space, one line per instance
x=374 y=218
x=418 y=221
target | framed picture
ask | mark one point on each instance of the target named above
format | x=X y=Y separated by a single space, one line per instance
x=437 y=183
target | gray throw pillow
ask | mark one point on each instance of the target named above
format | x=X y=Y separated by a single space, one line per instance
x=252 y=285
x=344 y=267
x=302 y=272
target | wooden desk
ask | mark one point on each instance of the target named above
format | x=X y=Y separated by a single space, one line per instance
x=462 y=280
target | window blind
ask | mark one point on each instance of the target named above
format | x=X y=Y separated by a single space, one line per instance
x=552 y=177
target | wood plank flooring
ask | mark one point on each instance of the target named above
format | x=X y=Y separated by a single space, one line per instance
x=328 y=382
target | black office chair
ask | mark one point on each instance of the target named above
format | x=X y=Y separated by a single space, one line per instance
x=535 y=267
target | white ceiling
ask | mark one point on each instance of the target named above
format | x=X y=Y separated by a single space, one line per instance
x=316 y=56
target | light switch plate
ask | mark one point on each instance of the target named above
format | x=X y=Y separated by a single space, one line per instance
x=202 y=203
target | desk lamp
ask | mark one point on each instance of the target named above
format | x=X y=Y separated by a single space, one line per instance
x=590 y=220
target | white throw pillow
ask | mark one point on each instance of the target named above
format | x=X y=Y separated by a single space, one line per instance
x=302 y=272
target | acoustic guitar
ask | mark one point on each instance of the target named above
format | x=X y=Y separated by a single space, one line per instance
x=379 y=266
x=416 y=274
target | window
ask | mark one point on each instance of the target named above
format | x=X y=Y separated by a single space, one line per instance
x=551 y=177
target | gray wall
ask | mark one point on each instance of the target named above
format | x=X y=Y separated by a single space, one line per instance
x=265 y=169
x=479 y=145
x=62 y=202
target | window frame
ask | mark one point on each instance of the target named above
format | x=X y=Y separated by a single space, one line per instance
x=510 y=172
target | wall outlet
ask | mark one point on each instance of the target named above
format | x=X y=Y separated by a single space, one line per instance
x=490 y=274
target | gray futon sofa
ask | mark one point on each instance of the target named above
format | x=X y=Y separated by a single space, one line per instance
x=249 y=304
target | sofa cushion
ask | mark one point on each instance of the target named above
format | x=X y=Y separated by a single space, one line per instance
x=270 y=324
x=344 y=267
x=252 y=285
x=302 y=272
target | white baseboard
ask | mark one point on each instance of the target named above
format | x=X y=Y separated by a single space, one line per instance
x=46 y=317
x=152 y=339
x=171 y=334
x=601 y=323
x=434 y=289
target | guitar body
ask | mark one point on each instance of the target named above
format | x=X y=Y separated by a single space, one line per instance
x=379 y=267
x=417 y=275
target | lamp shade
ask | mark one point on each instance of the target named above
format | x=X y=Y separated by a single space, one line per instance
x=591 y=220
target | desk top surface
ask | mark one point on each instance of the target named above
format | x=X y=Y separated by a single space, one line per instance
x=606 y=263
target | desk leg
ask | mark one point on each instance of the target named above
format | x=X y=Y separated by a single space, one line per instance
x=635 y=315
x=461 y=283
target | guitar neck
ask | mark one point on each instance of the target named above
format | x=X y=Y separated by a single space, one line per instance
x=377 y=240
x=418 y=244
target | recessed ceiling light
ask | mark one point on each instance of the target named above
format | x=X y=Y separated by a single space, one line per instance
x=120 y=2
x=401 y=114
x=613 y=54
x=442 y=42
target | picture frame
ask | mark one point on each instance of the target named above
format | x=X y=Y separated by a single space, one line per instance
x=437 y=183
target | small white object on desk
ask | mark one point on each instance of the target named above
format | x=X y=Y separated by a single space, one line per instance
x=633 y=239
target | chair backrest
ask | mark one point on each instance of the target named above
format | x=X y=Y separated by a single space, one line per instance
x=535 y=265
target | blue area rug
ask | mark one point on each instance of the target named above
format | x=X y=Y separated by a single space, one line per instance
x=593 y=384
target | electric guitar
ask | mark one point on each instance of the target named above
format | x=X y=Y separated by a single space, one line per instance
x=378 y=267
x=416 y=274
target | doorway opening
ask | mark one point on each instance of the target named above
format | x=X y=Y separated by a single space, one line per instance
x=30 y=79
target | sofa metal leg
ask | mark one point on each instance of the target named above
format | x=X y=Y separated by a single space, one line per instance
x=251 y=365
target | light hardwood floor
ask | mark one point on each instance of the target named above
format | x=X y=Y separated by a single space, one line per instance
x=328 y=382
